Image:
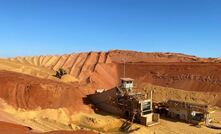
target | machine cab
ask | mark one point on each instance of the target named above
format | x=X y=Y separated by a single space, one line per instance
x=127 y=84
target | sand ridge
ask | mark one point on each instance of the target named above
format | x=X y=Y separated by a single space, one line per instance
x=99 y=67
x=30 y=92
x=30 y=89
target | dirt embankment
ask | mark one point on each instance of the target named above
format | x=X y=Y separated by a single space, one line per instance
x=8 y=128
x=29 y=92
x=103 y=69
x=187 y=76
x=78 y=65
x=30 y=69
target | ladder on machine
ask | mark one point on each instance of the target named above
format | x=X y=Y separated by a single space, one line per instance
x=133 y=117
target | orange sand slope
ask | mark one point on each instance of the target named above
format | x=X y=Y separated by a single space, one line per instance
x=8 y=128
x=103 y=69
x=29 y=92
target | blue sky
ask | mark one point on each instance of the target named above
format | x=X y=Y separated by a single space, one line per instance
x=42 y=27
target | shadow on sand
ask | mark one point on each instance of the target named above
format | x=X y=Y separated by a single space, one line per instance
x=87 y=101
x=126 y=127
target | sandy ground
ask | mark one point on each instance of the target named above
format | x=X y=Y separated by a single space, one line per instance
x=18 y=121
x=48 y=120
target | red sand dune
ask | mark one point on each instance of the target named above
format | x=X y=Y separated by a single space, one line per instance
x=25 y=91
x=103 y=69
x=8 y=128
x=186 y=76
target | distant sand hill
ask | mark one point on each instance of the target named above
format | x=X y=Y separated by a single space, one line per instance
x=103 y=69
